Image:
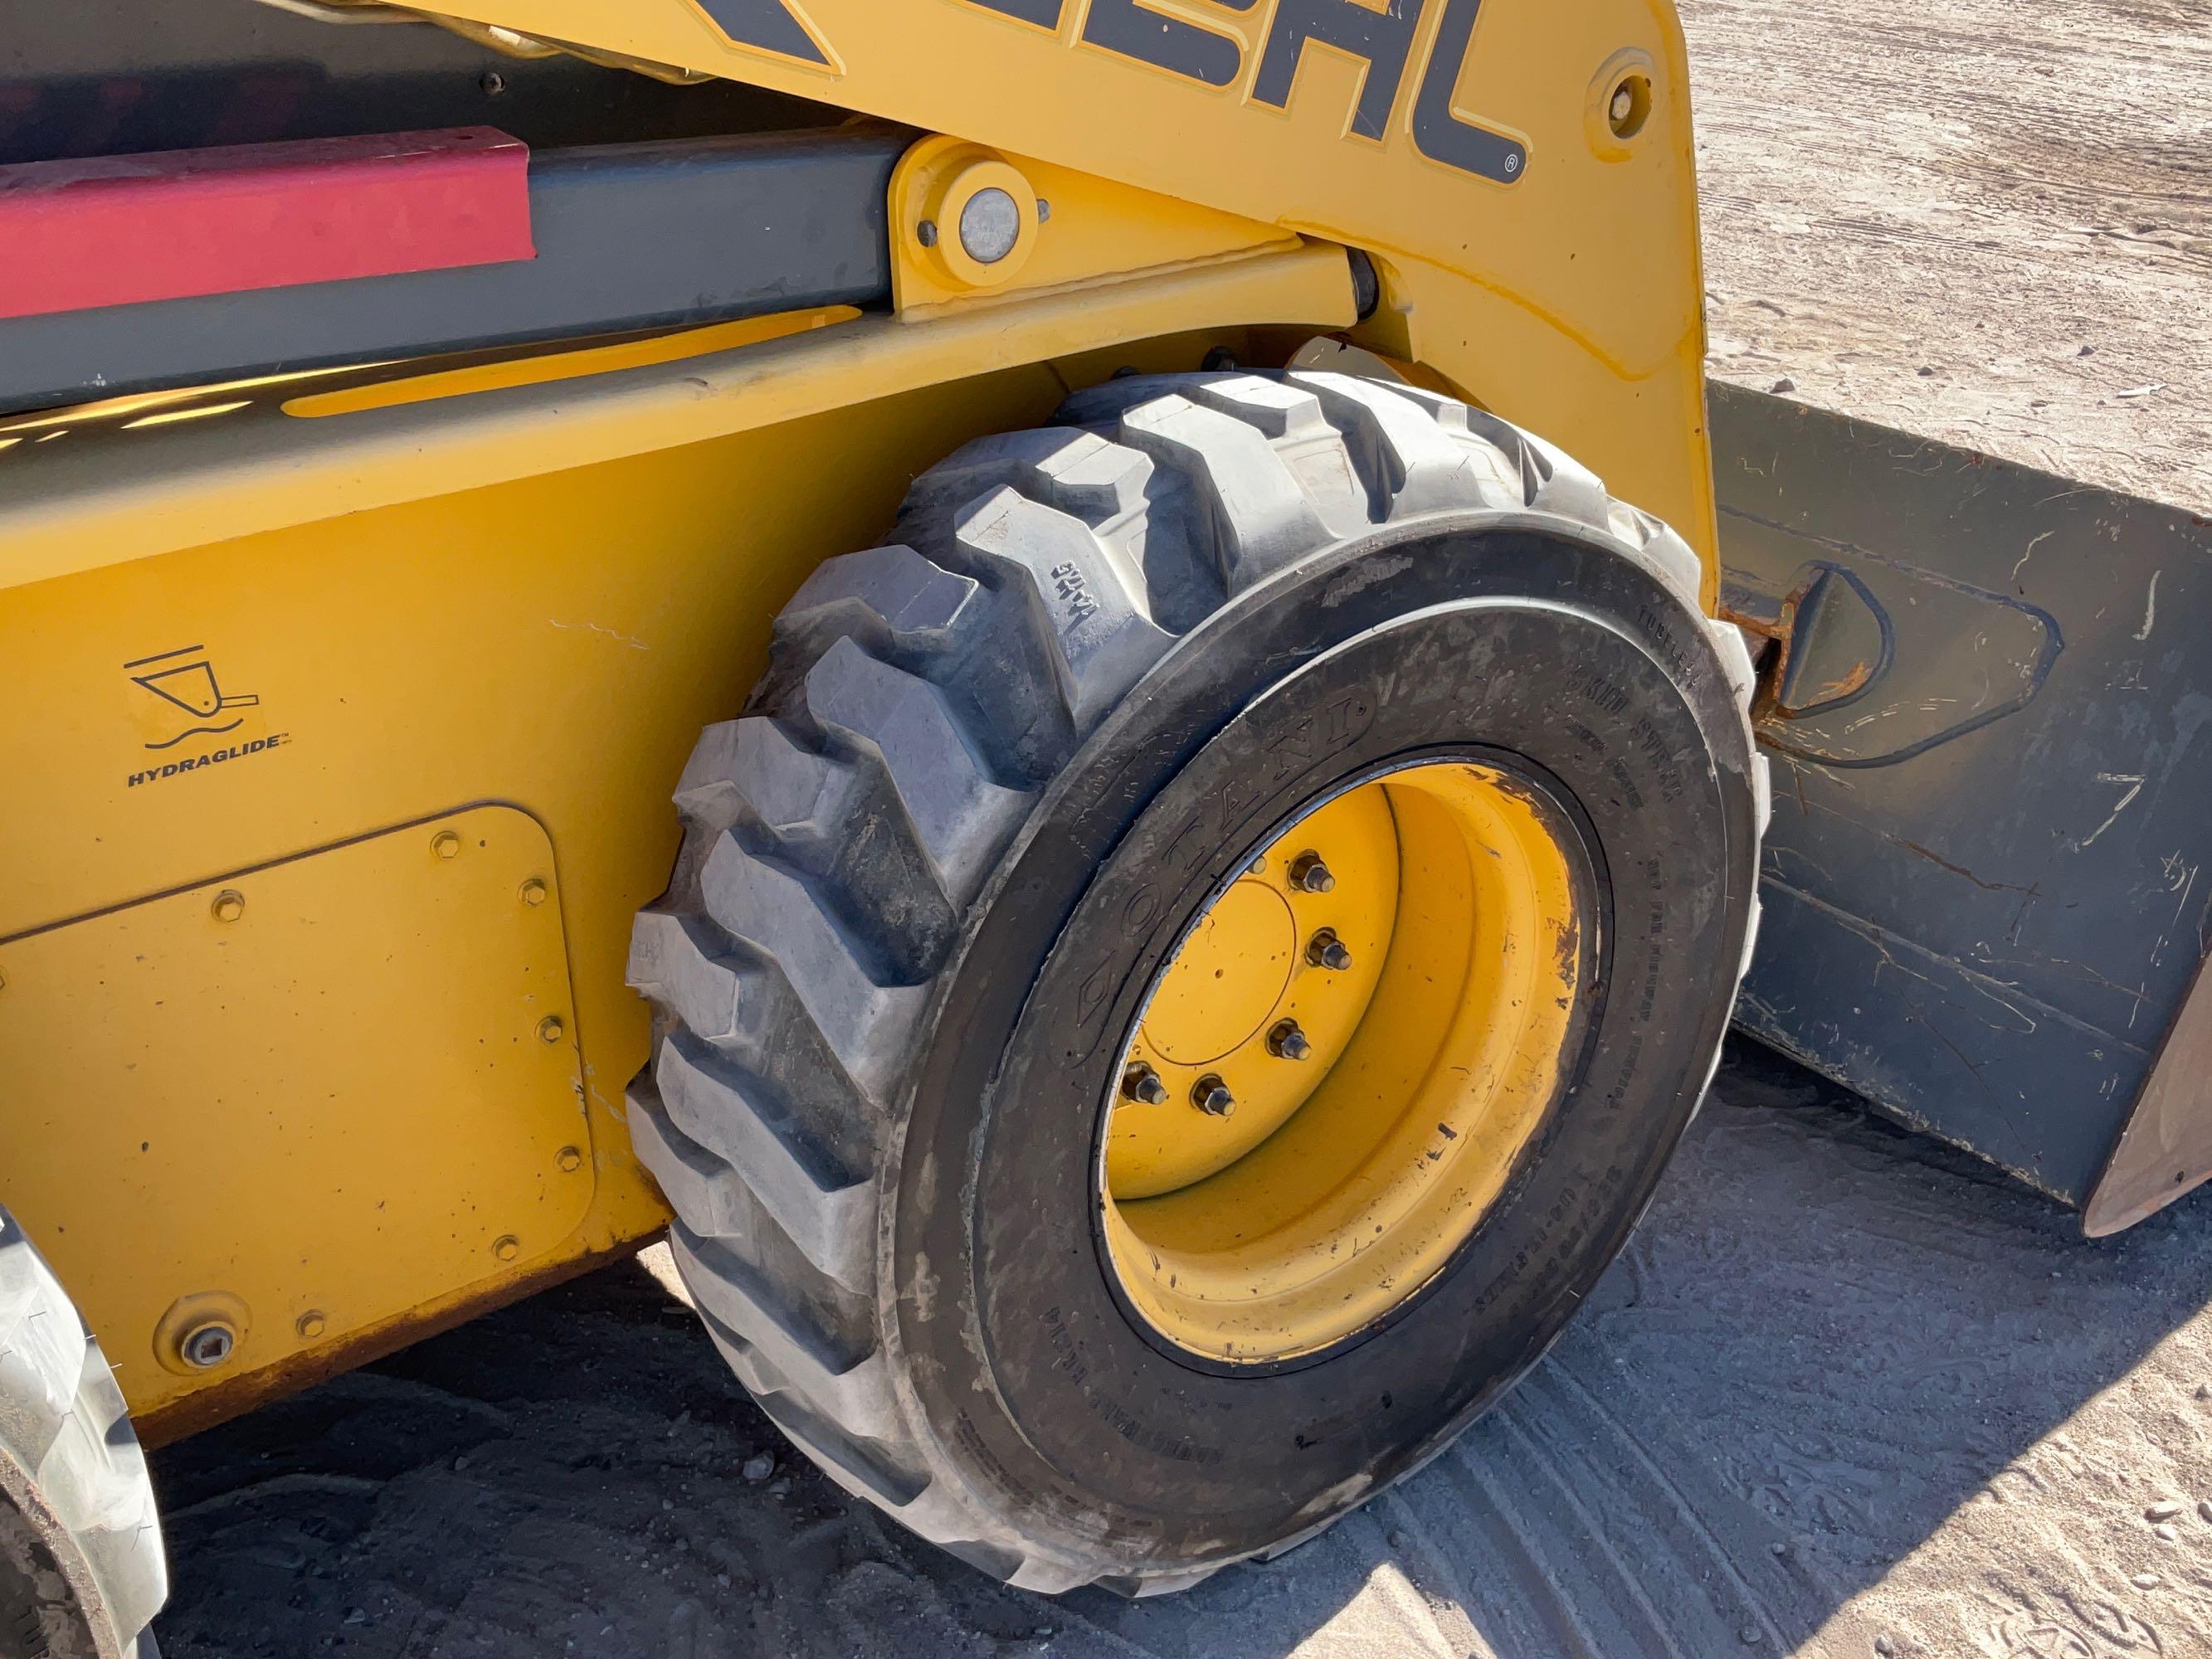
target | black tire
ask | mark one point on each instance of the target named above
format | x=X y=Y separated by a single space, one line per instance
x=81 y=1568
x=922 y=881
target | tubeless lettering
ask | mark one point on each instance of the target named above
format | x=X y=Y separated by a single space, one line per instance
x=1161 y=1443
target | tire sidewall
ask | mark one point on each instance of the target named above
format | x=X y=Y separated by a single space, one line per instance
x=1518 y=633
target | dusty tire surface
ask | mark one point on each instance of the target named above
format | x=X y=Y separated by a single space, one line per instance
x=81 y=1567
x=922 y=883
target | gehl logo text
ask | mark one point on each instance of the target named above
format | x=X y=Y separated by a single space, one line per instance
x=1384 y=40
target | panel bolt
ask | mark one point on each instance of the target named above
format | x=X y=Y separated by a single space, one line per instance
x=1211 y=1095
x=550 y=1028
x=1327 y=950
x=926 y=233
x=229 y=905
x=1142 y=1084
x=506 y=1247
x=310 y=1324
x=1309 y=875
x=493 y=82
x=1288 y=1042
x=569 y=1158
x=206 y=1346
x=533 y=891
x=446 y=844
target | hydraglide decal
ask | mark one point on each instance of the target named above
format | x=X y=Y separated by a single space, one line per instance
x=1381 y=40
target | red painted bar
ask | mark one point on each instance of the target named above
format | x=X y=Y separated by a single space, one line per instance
x=120 y=229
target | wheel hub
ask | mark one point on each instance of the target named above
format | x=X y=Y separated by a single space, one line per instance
x=1333 y=1073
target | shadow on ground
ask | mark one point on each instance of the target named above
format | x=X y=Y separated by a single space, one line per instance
x=1846 y=1388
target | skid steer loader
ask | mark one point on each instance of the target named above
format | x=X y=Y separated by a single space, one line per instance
x=1220 y=854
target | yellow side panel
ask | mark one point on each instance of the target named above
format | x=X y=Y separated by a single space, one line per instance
x=306 y=1096
x=365 y=1033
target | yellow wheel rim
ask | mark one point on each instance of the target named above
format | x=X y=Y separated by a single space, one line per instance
x=1332 y=1077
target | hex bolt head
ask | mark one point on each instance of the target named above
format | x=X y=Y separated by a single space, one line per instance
x=506 y=1247
x=569 y=1158
x=533 y=891
x=203 y=1347
x=446 y=844
x=550 y=1028
x=1211 y=1095
x=1140 y=1082
x=311 y=1324
x=1626 y=110
x=229 y=905
x=1326 y=951
x=926 y=233
x=1309 y=875
x=1288 y=1042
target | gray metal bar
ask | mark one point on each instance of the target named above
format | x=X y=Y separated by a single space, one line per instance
x=630 y=237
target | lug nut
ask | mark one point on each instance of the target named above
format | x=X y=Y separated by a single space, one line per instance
x=1140 y=1082
x=1211 y=1095
x=1309 y=875
x=1288 y=1042
x=1327 y=950
x=206 y=1346
x=1624 y=106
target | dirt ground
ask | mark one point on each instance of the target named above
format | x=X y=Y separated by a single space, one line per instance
x=1846 y=1389
x=1848 y=1393
x=1987 y=221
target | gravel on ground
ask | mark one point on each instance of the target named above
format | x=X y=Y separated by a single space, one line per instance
x=1848 y=1393
x=1979 y=221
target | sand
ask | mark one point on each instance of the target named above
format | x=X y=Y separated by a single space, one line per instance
x=1983 y=221
x=1845 y=1387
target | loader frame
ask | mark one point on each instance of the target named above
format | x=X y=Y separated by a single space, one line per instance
x=361 y=689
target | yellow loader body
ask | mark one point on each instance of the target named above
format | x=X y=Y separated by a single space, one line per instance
x=350 y=701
